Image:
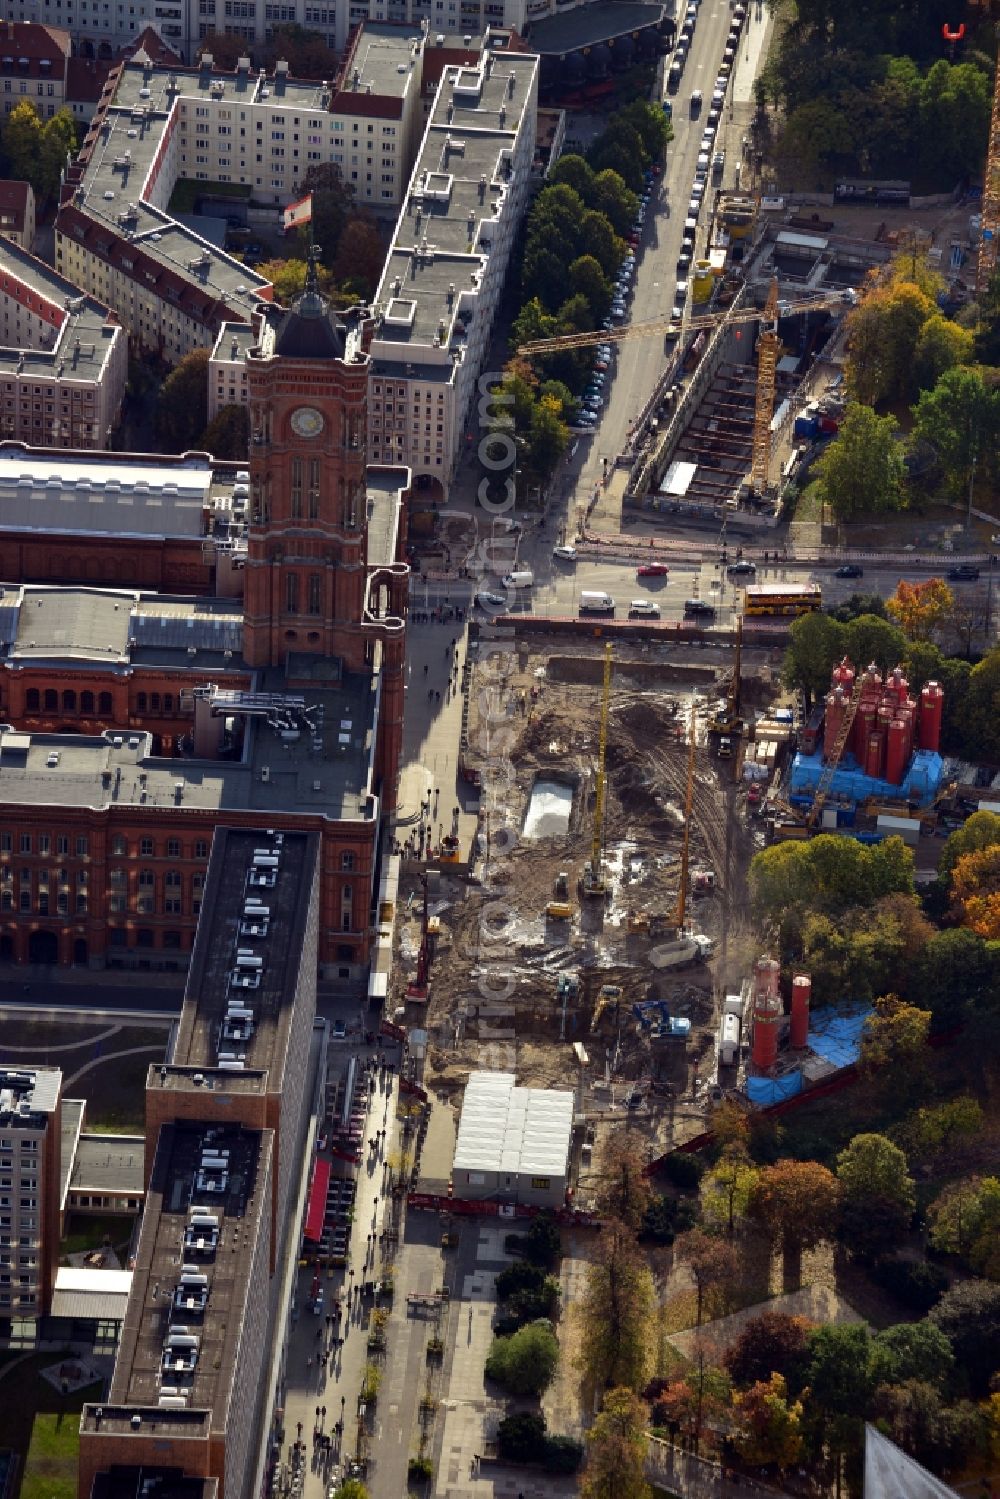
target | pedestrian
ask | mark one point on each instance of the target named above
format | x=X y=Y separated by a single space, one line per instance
x=425 y=668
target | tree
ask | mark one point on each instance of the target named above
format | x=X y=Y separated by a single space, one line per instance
x=861 y=471
x=615 y=200
x=725 y=1190
x=616 y=1450
x=797 y=1202
x=182 y=405
x=954 y=104
x=877 y=1195
x=816 y=644
x=928 y=1133
x=981 y=830
x=940 y=1436
x=619 y=149
x=306 y=52
x=616 y=1312
x=883 y=331
x=702 y=1393
x=980 y=719
x=711 y=1261
x=975 y=892
x=576 y=173
x=770 y=1426
x=869 y=638
x=526 y=1362
x=894 y=1045
x=941 y=345
x=22 y=142
x=838 y=1374
x=352 y=1488
x=965 y=1220
x=223 y=50
x=912 y=1350
x=729 y=1124
x=288 y=277
x=360 y=257
x=597 y=233
x=331 y=202
x=58 y=142
x=228 y=434
x=623 y=1190
x=828 y=874
x=771 y=1343
x=548 y=437
x=921 y=608
x=960 y=418
x=969 y=1316
x=587 y=279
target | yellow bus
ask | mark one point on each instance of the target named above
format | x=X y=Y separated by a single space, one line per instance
x=782 y=598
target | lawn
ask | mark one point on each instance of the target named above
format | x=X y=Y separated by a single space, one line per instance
x=115 y=1087
x=27 y=1399
x=84 y=1232
x=116 y=1091
x=187 y=192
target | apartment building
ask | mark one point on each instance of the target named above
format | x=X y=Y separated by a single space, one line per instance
x=444 y=275
x=33 y=63
x=227 y=366
x=377 y=103
x=63 y=357
x=30 y=1164
x=17 y=212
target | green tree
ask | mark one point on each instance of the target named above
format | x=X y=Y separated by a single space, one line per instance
x=576 y=172
x=597 y=233
x=940 y=1436
x=769 y=1425
x=351 y=1488
x=616 y=1312
x=869 y=638
x=856 y=605
x=839 y=1371
x=928 y=1133
x=894 y=1046
x=615 y=200
x=548 y=436
x=960 y=418
x=57 y=143
x=828 y=874
x=228 y=434
x=619 y=149
x=957 y=972
x=182 y=405
x=883 y=332
x=816 y=644
x=616 y=1450
x=965 y=1220
x=771 y=1343
x=941 y=345
x=877 y=1195
x=726 y=1189
x=912 y=1350
x=969 y=1316
x=819 y=136
x=22 y=142
x=954 y=113
x=797 y=1201
x=861 y=471
x=588 y=280
x=981 y=709
x=526 y=1362
x=981 y=830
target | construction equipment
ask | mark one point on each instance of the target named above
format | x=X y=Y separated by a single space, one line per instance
x=703 y=882
x=839 y=744
x=768 y=346
x=562 y=885
x=989 y=226
x=567 y=986
x=819 y=303
x=637 y=921
x=610 y=994
x=418 y=990
x=728 y=724
x=559 y=910
x=680 y=910
x=593 y=882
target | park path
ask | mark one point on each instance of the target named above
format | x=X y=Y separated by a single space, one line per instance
x=111 y=1056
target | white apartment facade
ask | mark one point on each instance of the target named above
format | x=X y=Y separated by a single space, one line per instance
x=30 y=1148
x=63 y=358
x=436 y=304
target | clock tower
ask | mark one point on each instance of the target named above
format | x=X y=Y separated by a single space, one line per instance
x=307 y=548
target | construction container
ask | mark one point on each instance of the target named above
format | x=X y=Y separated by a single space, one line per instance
x=896 y=751
x=931 y=706
x=801 y=993
x=702 y=281
x=806 y=426
x=907 y=828
x=733 y=1005
x=729 y=1041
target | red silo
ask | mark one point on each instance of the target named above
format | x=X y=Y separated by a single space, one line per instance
x=801 y=991
x=873 y=756
x=766 y=1023
x=931 y=705
x=843 y=674
x=898 y=685
x=886 y=713
x=874 y=678
x=896 y=756
x=836 y=707
x=864 y=725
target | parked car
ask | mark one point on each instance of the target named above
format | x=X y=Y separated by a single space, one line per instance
x=964 y=573
x=652 y=570
x=698 y=606
x=564 y=553
x=491 y=602
x=849 y=570
x=643 y=609
x=742 y=569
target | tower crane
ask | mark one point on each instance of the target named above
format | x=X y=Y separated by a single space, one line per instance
x=680 y=910
x=593 y=874
x=768 y=345
x=990 y=211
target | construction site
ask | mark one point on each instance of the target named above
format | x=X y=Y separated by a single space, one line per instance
x=606 y=901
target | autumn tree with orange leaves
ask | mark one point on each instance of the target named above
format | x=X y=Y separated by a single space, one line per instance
x=975 y=891
x=921 y=608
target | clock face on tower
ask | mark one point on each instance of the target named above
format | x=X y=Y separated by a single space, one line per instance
x=307 y=422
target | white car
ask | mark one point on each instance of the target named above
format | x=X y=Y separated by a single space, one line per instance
x=491 y=603
x=639 y=607
x=564 y=553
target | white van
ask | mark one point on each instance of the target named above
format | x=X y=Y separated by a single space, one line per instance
x=596 y=603
x=521 y=579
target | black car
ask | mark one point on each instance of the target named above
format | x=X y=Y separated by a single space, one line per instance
x=742 y=569
x=698 y=606
x=964 y=573
x=849 y=570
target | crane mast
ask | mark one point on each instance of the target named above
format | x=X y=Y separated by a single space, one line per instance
x=593 y=875
x=990 y=220
x=767 y=365
x=686 y=840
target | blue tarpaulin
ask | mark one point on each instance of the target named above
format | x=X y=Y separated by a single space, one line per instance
x=920 y=784
x=767 y=1090
x=835 y=1035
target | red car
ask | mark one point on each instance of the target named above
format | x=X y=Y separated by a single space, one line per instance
x=652 y=570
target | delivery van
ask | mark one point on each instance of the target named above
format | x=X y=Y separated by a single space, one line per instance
x=520 y=579
x=596 y=603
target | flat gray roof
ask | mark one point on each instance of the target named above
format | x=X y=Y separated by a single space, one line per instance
x=382 y=56
x=588 y=25
x=79 y=623
x=85 y=338
x=241 y=335
x=102 y=495
x=384 y=488
x=109 y=1163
